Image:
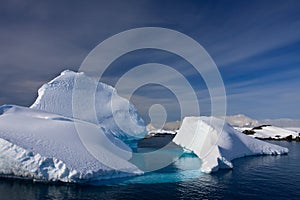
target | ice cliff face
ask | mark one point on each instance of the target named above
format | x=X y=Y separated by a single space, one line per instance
x=113 y=113
x=216 y=143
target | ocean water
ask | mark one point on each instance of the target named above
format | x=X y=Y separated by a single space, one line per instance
x=257 y=177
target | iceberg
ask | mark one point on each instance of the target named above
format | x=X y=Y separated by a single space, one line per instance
x=46 y=143
x=217 y=143
x=43 y=146
x=116 y=115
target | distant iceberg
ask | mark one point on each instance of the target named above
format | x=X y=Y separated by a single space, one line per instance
x=217 y=143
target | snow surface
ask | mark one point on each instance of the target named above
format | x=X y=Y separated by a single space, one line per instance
x=114 y=113
x=274 y=132
x=295 y=129
x=161 y=132
x=45 y=146
x=241 y=129
x=217 y=143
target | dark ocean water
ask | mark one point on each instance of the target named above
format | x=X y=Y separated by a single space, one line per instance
x=257 y=177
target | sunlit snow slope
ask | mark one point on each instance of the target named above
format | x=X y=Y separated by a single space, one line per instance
x=115 y=114
x=45 y=146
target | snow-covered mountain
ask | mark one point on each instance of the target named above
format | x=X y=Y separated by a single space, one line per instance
x=266 y=129
x=282 y=122
x=168 y=128
x=241 y=120
x=272 y=132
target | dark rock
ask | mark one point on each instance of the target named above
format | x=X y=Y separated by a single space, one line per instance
x=269 y=138
x=248 y=132
x=289 y=138
x=260 y=127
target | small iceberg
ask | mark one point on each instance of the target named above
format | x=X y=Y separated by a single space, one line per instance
x=217 y=143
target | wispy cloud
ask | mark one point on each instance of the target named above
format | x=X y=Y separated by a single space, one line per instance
x=252 y=28
x=40 y=39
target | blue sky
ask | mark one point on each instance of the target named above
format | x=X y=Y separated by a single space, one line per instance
x=255 y=44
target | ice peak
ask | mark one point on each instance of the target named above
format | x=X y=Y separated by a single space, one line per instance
x=56 y=96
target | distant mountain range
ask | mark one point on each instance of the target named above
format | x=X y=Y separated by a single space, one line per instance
x=282 y=122
x=175 y=125
x=240 y=120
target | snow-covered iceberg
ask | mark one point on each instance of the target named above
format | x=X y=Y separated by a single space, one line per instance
x=115 y=114
x=44 y=146
x=217 y=143
x=48 y=142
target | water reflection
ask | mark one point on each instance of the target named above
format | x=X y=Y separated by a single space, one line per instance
x=275 y=177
